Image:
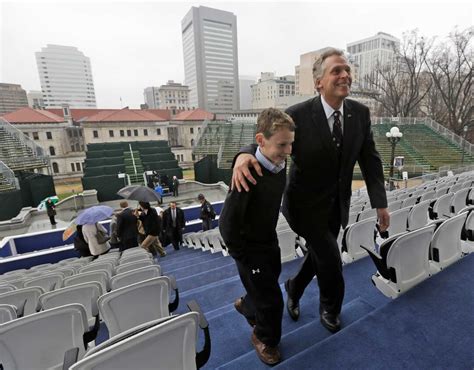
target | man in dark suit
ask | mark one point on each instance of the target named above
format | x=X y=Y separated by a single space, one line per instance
x=127 y=229
x=332 y=133
x=173 y=224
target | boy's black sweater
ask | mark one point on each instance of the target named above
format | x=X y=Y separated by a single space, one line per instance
x=248 y=219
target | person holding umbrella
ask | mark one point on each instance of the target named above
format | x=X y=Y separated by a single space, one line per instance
x=51 y=211
x=152 y=225
x=95 y=234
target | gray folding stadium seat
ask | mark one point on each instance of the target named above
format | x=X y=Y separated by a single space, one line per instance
x=359 y=207
x=429 y=194
x=85 y=294
x=133 y=265
x=352 y=218
x=40 y=267
x=356 y=235
x=287 y=244
x=29 y=342
x=418 y=216
x=456 y=187
x=7 y=313
x=441 y=191
x=409 y=202
x=170 y=344
x=15 y=280
x=445 y=247
x=48 y=282
x=135 y=257
x=403 y=195
x=459 y=200
x=99 y=276
x=67 y=271
x=135 y=276
x=399 y=221
x=467 y=184
x=5 y=287
x=67 y=260
x=215 y=241
x=135 y=304
x=106 y=266
x=14 y=272
x=442 y=206
x=25 y=299
x=395 y=205
x=402 y=261
x=134 y=250
x=368 y=213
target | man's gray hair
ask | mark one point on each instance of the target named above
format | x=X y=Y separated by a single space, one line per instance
x=318 y=70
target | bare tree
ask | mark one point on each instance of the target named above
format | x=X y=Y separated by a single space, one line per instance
x=399 y=85
x=450 y=66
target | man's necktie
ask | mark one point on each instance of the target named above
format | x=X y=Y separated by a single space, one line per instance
x=337 y=131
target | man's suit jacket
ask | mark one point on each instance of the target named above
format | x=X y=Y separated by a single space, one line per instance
x=318 y=175
x=127 y=225
x=168 y=220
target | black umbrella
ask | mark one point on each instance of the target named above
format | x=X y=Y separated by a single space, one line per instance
x=140 y=193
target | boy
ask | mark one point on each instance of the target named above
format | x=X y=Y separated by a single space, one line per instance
x=248 y=226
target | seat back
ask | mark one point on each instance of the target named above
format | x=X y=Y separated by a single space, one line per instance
x=170 y=345
x=85 y=294
x=409 y=257
x=399 y=221
x=135 y=304
x=442 y=206
x=367 y=213
x=133 y=265
x=395 y=205
x=25 y=299
x=456 y=187
x=409 y=202
x=459 y=200
x=357 y=234
x=130 y=251
x=418 y=216
x=7 y=313
x=403 y=195
x=441 y=190
x=5 y=287
x=134 y=258
x=287 y=243
x=29 y=342
x=100 y=276
x=135 y=276
x=106 y=265
x=48 y=282
x=445 y=247
x=428 y=195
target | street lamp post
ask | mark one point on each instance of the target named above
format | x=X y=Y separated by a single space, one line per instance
x=393 y=137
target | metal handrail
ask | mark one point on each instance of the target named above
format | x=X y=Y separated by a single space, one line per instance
x=133 y=158
x=9 y=175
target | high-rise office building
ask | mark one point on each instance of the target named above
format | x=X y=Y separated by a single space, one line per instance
x=173 y=95
x=66 y=77
x=370 y=52
x=210 y=59
x=12 y=97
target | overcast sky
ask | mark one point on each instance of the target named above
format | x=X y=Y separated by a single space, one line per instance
x=134 y=44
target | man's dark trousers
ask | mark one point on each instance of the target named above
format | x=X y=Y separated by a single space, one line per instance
x=259 y=272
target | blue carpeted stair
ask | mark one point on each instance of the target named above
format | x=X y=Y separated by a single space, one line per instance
x=414 y=331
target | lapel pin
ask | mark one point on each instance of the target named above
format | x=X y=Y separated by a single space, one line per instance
x=349 y=115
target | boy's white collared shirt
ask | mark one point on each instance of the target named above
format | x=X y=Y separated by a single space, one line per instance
x=267 y=163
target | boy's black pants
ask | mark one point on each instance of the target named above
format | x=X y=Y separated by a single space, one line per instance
x=259 y=272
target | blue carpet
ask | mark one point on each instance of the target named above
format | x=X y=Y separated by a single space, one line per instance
x=429 y=327
x=198 y=267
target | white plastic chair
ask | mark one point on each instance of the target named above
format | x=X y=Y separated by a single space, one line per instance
x=7 y=313
x=399 y=221
x=29 y=342
x=133 y=265
x=48 y=281
x=287 y=244
x=442 y=206
x=5 y=287
x=107 y=266
x=134 y=258
x=135 y=276
x=418 y=216
x=99 y=276
x=459 y=200
x=25 y=299
x=135 y=304
x=356 y=235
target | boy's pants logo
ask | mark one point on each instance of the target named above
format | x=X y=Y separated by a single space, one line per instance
x=257 y=271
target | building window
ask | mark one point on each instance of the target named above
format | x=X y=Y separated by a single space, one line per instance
x=191 y=130
x=192 y=142
x=135 y=132
x=193 y=157
x=49 y=135
x=111 y=133
x=158 y=131
x=35 y=136
x=129 y=132
x=52 y=151
x=72 y=147
x=26 y=134
x=55 y=167
x=145 y=132
x=95 y=133
x=122 y=133
x=78 y=167
x=73 y=168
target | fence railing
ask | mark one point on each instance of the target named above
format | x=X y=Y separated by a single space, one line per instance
x=9 y=175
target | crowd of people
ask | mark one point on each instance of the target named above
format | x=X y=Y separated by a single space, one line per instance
x=151 y=228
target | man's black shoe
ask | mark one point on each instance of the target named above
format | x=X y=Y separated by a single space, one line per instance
x=292 y=305
x=331 y=321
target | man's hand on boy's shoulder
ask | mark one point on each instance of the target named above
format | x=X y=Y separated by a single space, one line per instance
x=241 y=173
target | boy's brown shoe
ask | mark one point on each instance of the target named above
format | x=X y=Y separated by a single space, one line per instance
x=267 y=354
x=238 y=306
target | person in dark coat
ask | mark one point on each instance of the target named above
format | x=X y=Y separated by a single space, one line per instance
x=175 y=186
x=207 y=213
x=332 y=134
x=152 y=226
x=80 y=244
x=51 y=211
x=173 y=224
x=127 y=229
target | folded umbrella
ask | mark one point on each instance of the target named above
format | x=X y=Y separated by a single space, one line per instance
x=140 y=193
x=94 y=214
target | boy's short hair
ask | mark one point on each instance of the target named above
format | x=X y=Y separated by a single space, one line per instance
x=271 y=120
